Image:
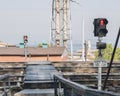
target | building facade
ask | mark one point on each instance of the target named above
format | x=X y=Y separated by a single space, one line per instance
x=15 y=54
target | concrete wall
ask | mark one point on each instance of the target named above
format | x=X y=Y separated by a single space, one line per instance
x=31 y=58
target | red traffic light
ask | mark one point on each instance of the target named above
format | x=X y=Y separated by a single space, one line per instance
x=25 y=37
x=100 y=29
x=101 y=22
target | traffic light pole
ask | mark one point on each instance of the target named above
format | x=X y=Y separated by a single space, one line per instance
x=25 y=38
x=99 y=51
x=100 y=31
x=100 y=76
x=99 y=68
x=25 y=50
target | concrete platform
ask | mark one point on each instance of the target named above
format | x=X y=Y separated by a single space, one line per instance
x=36 y=92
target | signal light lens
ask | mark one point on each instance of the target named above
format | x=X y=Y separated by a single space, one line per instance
x=25 y=38
x=101 y=22
x=100 y=29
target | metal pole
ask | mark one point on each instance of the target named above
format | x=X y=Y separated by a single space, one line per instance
x=65 y=37
x=99 y=76
x=83 y=48
x=71 y=44
x=99 y=68
x=55 y=86
x=9 y=86
x=72 y=93
x=59 y=93
x=4 y=84
x=57 y=22
x=25 y=50
x=65 y=93
x=53 y=26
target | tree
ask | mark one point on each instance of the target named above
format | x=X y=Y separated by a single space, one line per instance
x=117 y=54
x=107 y=53
x=40 y=45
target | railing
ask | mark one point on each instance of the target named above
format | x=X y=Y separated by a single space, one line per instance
x=7 y=84
x=74 y=89
x=5 y=78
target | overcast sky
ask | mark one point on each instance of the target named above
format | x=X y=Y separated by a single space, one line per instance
x=33 y=18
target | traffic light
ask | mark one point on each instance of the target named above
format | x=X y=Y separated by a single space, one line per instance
x=101 y=45
x=25 y=38
x=100 y=27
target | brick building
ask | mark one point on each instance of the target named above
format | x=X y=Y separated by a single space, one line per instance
x=15 y=54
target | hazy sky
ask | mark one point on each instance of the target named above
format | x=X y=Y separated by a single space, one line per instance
x=33 y=18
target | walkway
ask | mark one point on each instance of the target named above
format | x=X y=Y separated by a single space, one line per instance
x=39 y=73
x=39 y=79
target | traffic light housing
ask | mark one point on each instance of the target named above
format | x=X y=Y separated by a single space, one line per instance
x=100 y=27
x=25 y=38
x=101 y=45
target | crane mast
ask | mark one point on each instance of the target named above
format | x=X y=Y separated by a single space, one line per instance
x=64 y=27
x=57 y=22
x=61 y=24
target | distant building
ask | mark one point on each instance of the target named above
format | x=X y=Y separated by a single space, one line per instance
x=2 y=44
x=44 y=45
x=15 y=54
x=21 y=45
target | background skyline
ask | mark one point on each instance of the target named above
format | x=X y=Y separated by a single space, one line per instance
x=33 y=18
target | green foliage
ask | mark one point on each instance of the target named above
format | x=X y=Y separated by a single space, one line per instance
x=96 y=54
x=43 y=45
x=117 y=54
x=107 y=53
x=40 y=45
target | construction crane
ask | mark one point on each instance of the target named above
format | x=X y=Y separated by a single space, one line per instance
x=61 y=24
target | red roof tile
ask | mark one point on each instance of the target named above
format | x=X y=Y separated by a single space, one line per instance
x=14 y=51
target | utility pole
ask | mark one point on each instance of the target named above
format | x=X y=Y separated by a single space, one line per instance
x=83 y=47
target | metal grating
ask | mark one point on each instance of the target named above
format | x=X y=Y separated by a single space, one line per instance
x=39 y=73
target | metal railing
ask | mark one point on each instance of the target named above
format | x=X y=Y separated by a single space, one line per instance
x=5 y=78
x=7 y=84
x=74 y=89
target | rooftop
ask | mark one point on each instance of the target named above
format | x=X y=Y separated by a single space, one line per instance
x=15 y=51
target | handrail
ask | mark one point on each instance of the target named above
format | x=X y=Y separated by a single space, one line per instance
x=81 y=89
x=2 y=77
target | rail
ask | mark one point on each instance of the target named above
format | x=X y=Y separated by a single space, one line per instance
x=74 y=89
x=6 y=85
x=4 y=78
x=5 y=88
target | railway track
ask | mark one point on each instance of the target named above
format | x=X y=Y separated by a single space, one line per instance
x=80 y=72
x=85 y=73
